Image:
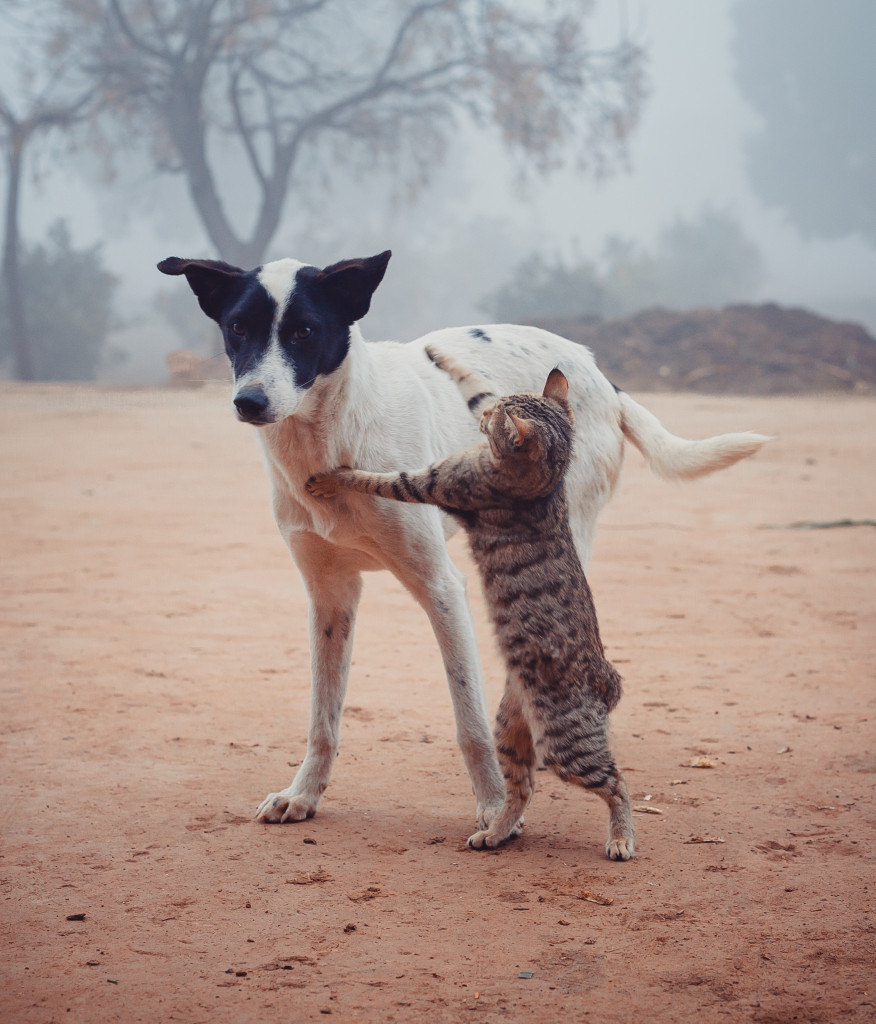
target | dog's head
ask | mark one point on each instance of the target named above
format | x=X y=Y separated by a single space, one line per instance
x=285 y=324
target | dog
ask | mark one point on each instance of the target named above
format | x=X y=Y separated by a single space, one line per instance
x=322 y=397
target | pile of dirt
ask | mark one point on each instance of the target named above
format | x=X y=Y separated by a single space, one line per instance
x=744 y=349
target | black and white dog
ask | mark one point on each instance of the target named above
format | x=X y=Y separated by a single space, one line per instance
x=322 y=398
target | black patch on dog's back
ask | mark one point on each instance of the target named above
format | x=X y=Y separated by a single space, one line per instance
x=481 y=335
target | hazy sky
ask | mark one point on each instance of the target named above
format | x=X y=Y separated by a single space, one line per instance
x=687 y=153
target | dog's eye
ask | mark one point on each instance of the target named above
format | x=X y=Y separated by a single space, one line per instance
x=237 y=328
x=303 y=333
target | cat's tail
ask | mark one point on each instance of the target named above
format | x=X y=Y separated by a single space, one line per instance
x=675 y=458
x=475 y=390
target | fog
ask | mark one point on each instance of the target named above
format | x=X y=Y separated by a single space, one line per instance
x=459 y=239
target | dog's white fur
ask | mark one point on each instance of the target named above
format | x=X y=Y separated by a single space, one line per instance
x=387 y=407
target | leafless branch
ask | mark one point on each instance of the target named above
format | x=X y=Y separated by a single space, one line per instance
x=275 y=76
x=136 y=41
x=245 y=132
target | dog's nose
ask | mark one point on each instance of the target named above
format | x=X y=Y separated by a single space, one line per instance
x=251 y=404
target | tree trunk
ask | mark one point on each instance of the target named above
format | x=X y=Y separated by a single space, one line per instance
x=187 y=130
x=15 y=315
x=186 y=127
x=239 y=251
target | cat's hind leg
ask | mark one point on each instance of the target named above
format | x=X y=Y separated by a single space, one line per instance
x=517 y=760
x=583 y=758
x=621 y=843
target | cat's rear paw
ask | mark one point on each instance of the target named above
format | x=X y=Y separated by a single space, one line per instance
x=619 y=849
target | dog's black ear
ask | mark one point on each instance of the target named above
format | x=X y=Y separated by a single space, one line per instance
x=210 y=280
x=351 y=283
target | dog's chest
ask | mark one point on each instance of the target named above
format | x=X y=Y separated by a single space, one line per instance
x=362 y=533
x=353 y=522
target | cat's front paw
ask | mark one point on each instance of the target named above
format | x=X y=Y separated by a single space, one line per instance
x=323 y=485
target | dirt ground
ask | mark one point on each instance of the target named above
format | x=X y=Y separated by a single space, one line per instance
x=155 y=688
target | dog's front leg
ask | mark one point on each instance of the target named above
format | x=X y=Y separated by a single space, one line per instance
x=442 y=595
x=450 y=615
x=333 y=592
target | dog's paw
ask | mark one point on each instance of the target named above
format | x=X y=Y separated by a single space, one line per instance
x=619 y=849
x=487 y=840
x=488 y=813
x=488 y=816
x=277 y=808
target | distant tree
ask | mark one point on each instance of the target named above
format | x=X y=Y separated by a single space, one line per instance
x=541 y=288
x=67 y=300
x=285 y=92
x=706 y=261
x=186 y=319
x=808 y=69
x=47 y=97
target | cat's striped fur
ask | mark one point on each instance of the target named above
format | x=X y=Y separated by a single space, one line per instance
x=508 y=494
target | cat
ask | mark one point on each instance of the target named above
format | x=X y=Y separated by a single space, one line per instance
x=508 y=495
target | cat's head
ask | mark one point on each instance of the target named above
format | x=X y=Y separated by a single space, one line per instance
x=532 y=434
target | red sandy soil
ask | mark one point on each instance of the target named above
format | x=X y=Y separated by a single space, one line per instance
x=155 y=688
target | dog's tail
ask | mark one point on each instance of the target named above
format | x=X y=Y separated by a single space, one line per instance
x=675 y=458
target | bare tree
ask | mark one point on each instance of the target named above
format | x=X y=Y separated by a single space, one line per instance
x=44 y=100
x=18 y=132
x=293 y=89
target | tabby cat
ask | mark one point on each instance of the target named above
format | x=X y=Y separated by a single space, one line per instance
x=508 y=494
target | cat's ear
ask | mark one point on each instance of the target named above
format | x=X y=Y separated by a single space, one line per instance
x=557 y=386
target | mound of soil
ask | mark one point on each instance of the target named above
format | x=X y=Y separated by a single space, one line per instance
x=744 y=349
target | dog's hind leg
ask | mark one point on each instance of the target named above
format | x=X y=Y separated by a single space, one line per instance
x=334 y=591
x=442 y=595
x=517 y=759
